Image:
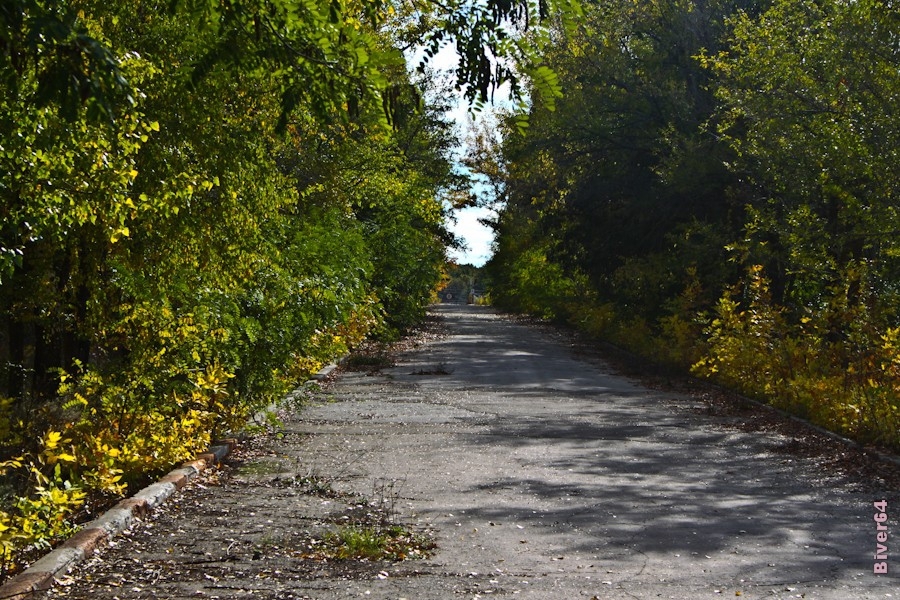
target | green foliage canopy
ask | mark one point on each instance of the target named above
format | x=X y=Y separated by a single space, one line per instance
x=718 y=188
x=202 y=201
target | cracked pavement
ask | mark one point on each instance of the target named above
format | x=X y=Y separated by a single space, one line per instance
x=539 y=474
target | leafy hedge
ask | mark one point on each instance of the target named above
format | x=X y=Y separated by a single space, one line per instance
x=718 y=189
x=183 y=241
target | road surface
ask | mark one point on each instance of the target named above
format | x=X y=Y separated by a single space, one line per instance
x=537 y=474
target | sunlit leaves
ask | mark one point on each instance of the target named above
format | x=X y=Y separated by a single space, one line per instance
x=166 y=276
x=621 y=153
x=808 y=92
x=659 y=190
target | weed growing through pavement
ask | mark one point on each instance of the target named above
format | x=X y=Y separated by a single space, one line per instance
x=300 y=398
x=386 y=493
x=375 y=542
x=371 y=531
x=270 y=418
x=316 y=485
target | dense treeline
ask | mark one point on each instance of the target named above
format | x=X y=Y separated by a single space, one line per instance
x=202 y=201
x=168 y=274
x=718 y=189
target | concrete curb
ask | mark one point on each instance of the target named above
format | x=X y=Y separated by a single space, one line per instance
x=326 y=371
x=41 y=575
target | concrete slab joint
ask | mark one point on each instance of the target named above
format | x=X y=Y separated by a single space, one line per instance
x=89 y=540
x=156 y=493
x=25 y=585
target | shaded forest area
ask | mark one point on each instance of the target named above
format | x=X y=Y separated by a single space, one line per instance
x=718 y=189
x=202 y=201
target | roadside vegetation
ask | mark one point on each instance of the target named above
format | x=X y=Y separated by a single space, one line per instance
x=718 y=189
x=201 y=203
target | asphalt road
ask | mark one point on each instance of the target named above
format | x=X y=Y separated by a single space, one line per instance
x=539 y=475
